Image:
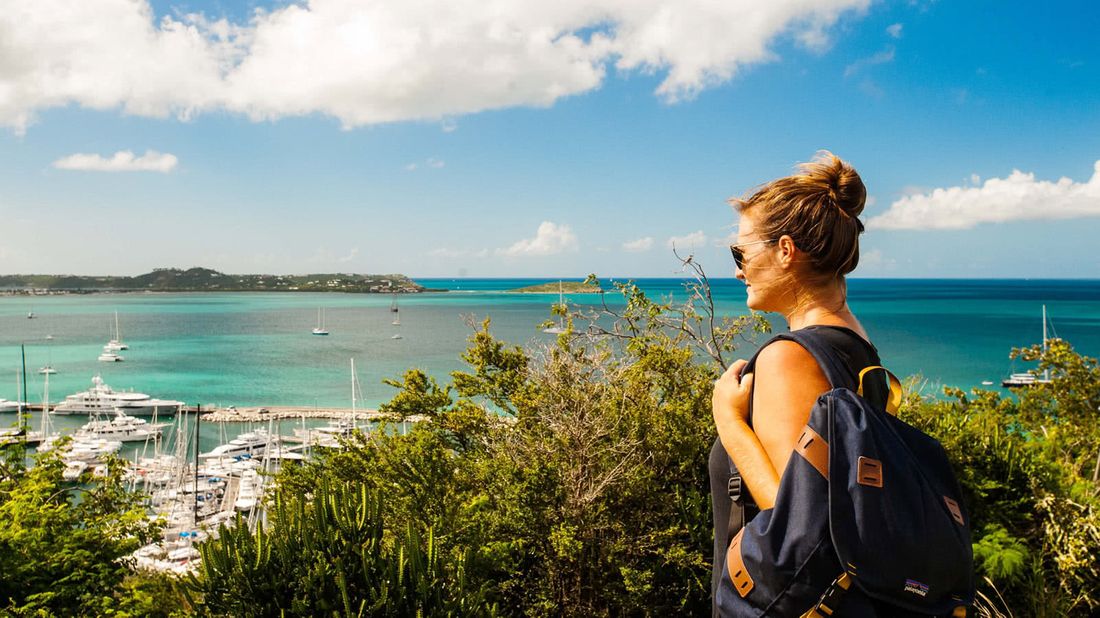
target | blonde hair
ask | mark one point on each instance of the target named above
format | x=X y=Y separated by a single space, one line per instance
x=818 y=207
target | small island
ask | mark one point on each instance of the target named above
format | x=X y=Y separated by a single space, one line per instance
x=206 y=280
x=566 y=287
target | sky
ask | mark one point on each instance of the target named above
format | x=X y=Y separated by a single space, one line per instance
x=513 y=138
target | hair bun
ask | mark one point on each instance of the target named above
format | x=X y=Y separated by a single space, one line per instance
x=845 y=187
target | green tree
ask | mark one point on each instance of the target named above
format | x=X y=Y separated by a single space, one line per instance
x=61 y=554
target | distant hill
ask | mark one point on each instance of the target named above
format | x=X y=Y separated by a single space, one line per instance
x=568 y=287
x=207 y=280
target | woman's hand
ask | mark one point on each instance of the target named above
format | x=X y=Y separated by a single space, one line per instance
x=730 y=401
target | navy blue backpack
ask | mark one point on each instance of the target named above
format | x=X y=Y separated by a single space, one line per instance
x=868 y=521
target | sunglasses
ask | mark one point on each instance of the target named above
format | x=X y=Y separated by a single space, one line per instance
x=739 y=255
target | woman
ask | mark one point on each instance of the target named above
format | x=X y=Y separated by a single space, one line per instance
x=798 y=237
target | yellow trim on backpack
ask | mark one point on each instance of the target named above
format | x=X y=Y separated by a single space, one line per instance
x=893 y=402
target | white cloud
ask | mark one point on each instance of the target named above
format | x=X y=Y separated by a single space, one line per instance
x=690 y=241
x=875 y=260
x=121 y=161
x=894 y=30
x=884 y=56
x=550 y=239
x=1019 y=197
x=350 y=256
x=383 y=61
x=435 y=163
x=444 y=252
x=639 y=245
x=411 y=167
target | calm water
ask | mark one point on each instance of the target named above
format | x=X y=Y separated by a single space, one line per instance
x=256 y=349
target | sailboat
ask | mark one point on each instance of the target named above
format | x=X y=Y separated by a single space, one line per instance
x=396 y=317
x=1023 y=379
x=116 y=344
x=320 y=330
x=48 y=368
x=560 y=328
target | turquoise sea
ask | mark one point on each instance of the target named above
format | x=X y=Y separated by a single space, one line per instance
x=252 y=349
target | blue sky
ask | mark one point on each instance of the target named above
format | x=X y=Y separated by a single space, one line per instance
x=480 y=139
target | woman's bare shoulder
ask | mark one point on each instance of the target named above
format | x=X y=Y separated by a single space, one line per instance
x=786 y=357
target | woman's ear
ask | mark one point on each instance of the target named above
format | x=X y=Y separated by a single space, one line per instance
x=787 y=251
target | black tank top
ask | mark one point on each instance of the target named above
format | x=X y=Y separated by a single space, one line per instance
x=857 y=353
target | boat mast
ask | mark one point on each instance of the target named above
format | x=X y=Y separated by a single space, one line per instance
x=195 y=508
x=45 y=429
x=1046 y=372
x=353 y=389
x=22 y=416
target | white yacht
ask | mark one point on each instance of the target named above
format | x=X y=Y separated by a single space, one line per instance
x=102 y=399
x=108 y=356
x=47 y=369
x=121 y=427
x=9 y=406
x=248 y=443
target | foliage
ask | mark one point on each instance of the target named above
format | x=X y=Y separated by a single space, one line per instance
x=327 y=554
x=572 y=477
x=1027 y=465
x=61 y=554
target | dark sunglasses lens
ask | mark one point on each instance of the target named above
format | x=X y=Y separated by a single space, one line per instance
x=738 y=257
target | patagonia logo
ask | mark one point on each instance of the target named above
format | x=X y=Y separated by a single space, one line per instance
x=914 y=586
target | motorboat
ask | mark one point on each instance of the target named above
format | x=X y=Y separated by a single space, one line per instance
x=91 y=449
x=102 y=399
x=249 y=491
x=1022 y=379
x=248 y=443
x=121 y=427
x=73 y=469
x=47 y=369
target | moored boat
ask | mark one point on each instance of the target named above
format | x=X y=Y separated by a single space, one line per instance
x=102 y=399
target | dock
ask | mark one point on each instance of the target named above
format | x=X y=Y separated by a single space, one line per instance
x=265 y=413
x=255 y=414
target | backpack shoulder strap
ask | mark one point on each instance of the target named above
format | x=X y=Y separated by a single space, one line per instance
x=835 y=370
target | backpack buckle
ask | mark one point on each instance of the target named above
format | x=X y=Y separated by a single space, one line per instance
x=830 y=600
x=733 y=487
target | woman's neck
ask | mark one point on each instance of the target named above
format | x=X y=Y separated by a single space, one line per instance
x=824 y=305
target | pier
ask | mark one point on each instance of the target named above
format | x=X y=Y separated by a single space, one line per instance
x=253 y=414
x=265 y=413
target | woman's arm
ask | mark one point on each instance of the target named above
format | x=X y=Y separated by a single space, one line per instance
x=791 y=383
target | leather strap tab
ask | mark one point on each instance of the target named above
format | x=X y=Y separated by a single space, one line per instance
x=814 y=449
x=869 y=472
x=739 y=575
x=956 y=512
